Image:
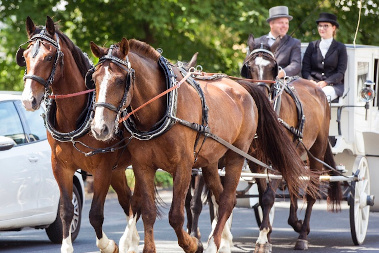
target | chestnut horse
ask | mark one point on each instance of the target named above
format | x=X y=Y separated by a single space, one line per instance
x=53 y=62
x=307 y=122
x=178 y=132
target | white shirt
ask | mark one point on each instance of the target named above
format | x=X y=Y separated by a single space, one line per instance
x=324 y=45
x=271 y=39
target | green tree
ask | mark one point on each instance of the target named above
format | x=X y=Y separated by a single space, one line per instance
x=217 y=29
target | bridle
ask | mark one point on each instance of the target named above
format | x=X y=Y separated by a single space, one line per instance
x=125 y=65
x=261 y=52
x=37 y=38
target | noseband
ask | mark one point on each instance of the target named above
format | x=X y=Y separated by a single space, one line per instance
x=125 y=65
x=37 y=38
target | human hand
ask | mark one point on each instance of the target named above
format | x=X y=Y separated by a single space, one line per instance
x=281 y=74
x=322 y=84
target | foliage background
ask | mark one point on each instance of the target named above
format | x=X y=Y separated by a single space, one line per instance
x=217 y=29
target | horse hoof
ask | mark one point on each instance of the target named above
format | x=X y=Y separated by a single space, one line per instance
x=301 y=244
x=200 y=247
x=263 y=248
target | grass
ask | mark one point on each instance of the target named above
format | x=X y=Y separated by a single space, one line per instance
x=162 y=179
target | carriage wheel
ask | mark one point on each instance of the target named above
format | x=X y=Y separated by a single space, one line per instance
x=259 y=214
x=359 y=208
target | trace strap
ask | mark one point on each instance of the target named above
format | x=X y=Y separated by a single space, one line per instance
x=206 y=131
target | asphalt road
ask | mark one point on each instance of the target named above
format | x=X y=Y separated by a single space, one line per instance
x=329 y=232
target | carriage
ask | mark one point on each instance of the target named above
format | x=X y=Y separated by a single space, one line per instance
x=353 y=134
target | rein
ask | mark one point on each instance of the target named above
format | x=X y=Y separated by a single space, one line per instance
x=71 y=94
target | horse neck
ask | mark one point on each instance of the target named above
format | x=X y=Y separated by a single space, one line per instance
x=149 y=82
x=70 y=81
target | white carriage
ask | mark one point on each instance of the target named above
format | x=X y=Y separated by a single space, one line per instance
x=354 y=136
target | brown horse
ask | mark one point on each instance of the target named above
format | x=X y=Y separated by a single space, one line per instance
x=311 y=133
x=54 y=62
x=177 y=132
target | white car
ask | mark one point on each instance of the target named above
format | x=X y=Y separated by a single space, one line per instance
x=29 y=194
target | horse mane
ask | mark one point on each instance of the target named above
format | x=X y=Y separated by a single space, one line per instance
x=143 y=49
x=81 y=60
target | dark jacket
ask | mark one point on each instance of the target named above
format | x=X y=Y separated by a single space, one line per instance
x=288 y=54
x=330 y=69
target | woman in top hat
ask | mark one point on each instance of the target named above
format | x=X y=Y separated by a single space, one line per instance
x=325 y=60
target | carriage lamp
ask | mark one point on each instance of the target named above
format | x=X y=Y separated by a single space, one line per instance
x=367 y=92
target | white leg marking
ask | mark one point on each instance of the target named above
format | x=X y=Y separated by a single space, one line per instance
x=262 y=239
x=67 y=245
x=130 y=239
x=227 y=237
x=105 y=245
x=214 y=222
x=212 y=248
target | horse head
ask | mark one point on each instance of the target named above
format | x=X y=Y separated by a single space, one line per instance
x=41 y=59
x=113 y=77
x=260 y=63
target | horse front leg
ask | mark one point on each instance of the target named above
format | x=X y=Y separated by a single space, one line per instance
x=182 y=179
x=221 y=239
x=143 y=203
x=263 y=244
x=188 y=203
x=197 y=206
x=64 y=177
x=101 y=183
x=130 y=239
x=302 y=241
x=293 y=220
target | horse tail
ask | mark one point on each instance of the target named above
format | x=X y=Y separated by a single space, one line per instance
x=276 y=148
x=334 y=190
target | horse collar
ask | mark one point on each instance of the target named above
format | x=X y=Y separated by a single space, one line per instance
x=169 y=119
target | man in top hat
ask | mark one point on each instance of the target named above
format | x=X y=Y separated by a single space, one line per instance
x=288 y=53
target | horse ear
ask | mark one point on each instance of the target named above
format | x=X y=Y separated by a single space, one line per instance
x=193 y=61
x=276 y=44
x=124 y=47
x=50 y=27
x=96 y=50
x=30 y=27
x=250 y=42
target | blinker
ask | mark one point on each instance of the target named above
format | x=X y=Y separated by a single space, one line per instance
x=20 y=57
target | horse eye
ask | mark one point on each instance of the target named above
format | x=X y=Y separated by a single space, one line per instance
x=119 y=81
x=48 y=58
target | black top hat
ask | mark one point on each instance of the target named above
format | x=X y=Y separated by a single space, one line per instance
x=329 y=18
x=278 y=12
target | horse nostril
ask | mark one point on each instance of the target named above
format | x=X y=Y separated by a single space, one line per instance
x=34 y=103
x=105 y=130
